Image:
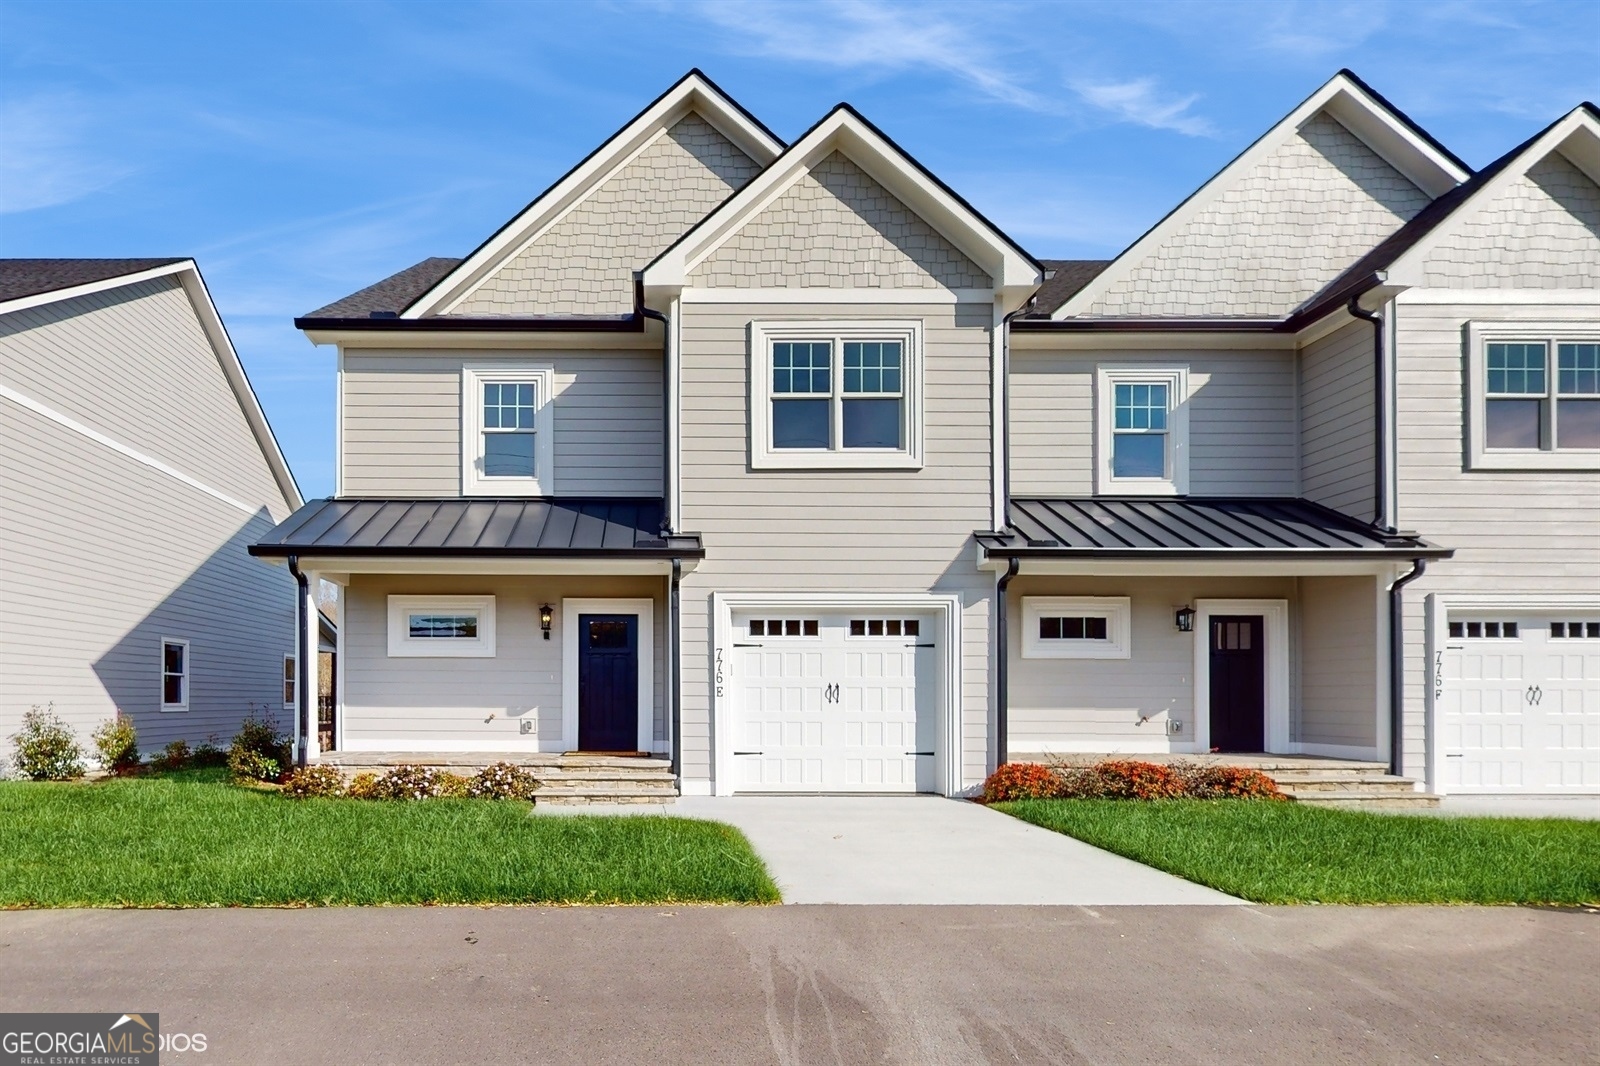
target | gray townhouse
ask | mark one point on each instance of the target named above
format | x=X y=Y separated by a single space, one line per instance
x=780 y=465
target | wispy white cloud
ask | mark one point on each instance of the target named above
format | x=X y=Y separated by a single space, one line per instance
x=44 y=156
x=876 y=38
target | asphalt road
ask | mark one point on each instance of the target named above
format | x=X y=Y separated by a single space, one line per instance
x=792 y=985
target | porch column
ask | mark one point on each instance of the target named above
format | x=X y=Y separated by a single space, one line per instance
x=305 y=686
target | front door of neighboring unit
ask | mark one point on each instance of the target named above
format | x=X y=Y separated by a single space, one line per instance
x=1519 y=703
x=1238 y=683
x=834 y=702
x=608 y=682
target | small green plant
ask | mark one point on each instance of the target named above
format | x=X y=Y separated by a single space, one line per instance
x=259 y=752
x=310 y=781
x=364 y=786
x=45 y=749
x=208 y=755
x=253 y=766
x=502 y=780
x=452 y=786
x=175 y=756
x=116 y=744
x=407 y=782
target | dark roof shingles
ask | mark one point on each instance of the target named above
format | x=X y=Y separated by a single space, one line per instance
x=1070 y=276
x=391 y=295
x=30 y=277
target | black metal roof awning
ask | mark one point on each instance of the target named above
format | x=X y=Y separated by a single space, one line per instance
x=542 y=527
x=1195 y=528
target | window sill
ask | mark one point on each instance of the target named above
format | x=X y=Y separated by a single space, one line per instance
x=1114 y=487
x=864 y=460
x=173 y=708
x=509 y=489
x=1586 y=460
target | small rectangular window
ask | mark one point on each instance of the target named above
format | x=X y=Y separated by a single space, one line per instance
x=505 y=430
x=1141 y=430
x=290 y=677
x=174 y=675
x=441 y=626
x=784 y=627
x=884 y=627
x=1575 y=630
x=1075 y=628
x=421 y=626
x=1491 y=630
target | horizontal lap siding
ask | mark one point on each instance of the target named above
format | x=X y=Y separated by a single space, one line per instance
x=104 y=555
x=836 y=531
x=1336 y=427
x=402 y=421
x=1241 y=420
x=468 y=701
x=1532 y=532
x=1339 y=666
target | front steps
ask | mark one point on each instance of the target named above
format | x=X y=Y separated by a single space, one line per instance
x=566 y=779
x=1312 y=779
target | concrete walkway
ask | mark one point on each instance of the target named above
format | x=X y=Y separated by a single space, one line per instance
x=927 y=849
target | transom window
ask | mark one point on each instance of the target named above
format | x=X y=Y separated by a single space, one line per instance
x=1484 y=630
x=441 y=626
x=1575 y=630
x=424 y=626
x=783 y=627
x=1142 y=439
x=1536 y=399
x=885 y=627
x=1073 y=627
x=1076 y=627
x=174 y=675
x=835 y=395
x=506 y=435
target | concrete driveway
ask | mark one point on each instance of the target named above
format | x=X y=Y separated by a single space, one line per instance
x=928 y=849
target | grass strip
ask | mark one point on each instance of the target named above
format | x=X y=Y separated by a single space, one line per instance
x=193 y=840
x=1292 y=853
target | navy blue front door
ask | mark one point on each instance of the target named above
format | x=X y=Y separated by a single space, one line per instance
x=608 y=682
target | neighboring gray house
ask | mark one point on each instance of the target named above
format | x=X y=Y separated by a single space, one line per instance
x=726 y=450
x=138 y=469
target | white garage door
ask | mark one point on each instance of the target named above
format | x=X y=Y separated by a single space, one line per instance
x=833 y=702
x=1520 y=706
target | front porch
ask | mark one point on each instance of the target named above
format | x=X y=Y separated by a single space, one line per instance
x=1314 y=779
x=565 y=778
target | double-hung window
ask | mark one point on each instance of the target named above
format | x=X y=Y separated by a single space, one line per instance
x=291 y=678
x=174 y=675
x=506 y=430
x=1534 y=400
x=1142 y=416
x=836 y=395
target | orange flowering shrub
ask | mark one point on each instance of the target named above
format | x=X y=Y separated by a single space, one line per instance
x=1129 y=779
x=1228 y=782
x=1021 y=780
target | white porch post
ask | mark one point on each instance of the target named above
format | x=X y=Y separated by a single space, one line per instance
x=305 y=686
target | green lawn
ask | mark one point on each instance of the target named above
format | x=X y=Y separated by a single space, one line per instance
x=1288 y=853
x=192 y=840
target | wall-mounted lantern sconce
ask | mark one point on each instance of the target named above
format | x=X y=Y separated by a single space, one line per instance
x=1185 y=619
x=546 y=613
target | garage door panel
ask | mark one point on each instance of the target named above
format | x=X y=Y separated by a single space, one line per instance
x=1519 y=696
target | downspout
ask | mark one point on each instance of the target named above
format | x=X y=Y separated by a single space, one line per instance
x=303 y=725
x=675 y=701
x=1002 y=655
x=667 y=428
x=1380 y=417
x=1397 y=654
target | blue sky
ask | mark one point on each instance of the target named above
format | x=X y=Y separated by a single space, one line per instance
x=301 y=151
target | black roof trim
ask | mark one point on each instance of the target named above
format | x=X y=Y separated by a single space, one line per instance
x=668 y=91
x=1151 y=325
x=1410 y=123
x=21 y=278
x=1193 y=527
x=891 y=142
x=476 y=527
x=470 y=324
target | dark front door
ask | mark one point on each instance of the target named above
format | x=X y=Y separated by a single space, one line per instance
x=1238 y=684
x=608 y=682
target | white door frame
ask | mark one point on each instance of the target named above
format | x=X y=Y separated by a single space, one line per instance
x=1275 y=631
x=1437 y=608
x=645 y=611
x=947 y=698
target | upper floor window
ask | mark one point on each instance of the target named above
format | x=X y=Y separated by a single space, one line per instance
x=1143 y=431
x=506 y=431
x=836 y=395
x=1534 y=400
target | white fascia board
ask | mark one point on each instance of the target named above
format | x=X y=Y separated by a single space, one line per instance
x=1373 y=124
x=1015 y=276
x=1578 y=134
x=691 y=94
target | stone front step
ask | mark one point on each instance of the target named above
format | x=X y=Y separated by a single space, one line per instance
x=564 y=778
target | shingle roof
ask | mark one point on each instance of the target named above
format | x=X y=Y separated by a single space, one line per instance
x=478 y=527
x=30 y=277
x=1194 y=526
x=1071 y=275
x=391 y=295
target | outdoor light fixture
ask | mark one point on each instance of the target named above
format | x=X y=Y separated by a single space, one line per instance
x=546 y=613
x=1186 y=619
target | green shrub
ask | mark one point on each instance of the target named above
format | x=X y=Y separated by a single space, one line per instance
x=452 y=786
x=45 y=749
x=502 y=780
x=364 y=786
x=314 y=781
x=253 y=766
x=175 y=756
x=116 y=744
x=208 y=755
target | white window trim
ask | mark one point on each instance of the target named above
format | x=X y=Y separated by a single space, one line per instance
x=765 y=457
x=188 y=675
x=290 y=664
x=473 y=377
x=403 y=646
x=1116 y=610
x=1176 y=378
x=1479 y=336
x=644 y=610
